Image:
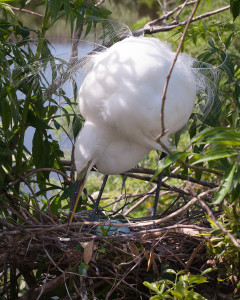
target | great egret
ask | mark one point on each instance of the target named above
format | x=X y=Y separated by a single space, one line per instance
x=120 y=99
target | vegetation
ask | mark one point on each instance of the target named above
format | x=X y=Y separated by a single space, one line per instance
x=194 y=250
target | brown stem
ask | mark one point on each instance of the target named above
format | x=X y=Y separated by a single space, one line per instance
x=170 y=72
x=171 y=26
x=27 y=11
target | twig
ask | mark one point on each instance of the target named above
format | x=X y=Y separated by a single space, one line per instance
x=140 y=201
x=195 y=252
x=30 y=173
x=99 y=3
x=27 y=11
x=162 y=6
x=19 y=200
x=170 y=72
x=174 y=175
x=220 y=226
x=168 y=186
x=123 y=277
x=34 y=196
x=167 y=15
x=168 y=27
x=47 y=228
x=180 y=10
x=45 y=288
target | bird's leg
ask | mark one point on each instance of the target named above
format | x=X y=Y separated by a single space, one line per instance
x=94 y=216
x=159 y=183
x=75 y=198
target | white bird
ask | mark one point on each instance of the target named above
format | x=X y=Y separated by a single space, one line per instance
x=120 y=99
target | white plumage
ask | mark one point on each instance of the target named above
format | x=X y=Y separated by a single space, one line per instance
x=120 y=100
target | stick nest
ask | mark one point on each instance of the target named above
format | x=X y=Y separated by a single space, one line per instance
x=105 y=259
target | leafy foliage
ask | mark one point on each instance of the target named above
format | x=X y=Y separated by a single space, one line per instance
x=235 y=8
x=29 y=105
x=181 y=288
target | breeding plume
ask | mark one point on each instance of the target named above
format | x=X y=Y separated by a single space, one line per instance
x=120 y=100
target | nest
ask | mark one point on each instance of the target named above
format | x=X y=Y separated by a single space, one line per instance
x=105 y=259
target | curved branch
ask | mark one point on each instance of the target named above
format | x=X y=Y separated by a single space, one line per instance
x=32 y=172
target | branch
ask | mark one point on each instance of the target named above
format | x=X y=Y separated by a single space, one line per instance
x=220 y=226
x=27 y=11
x=48 y=228
x=168 y=14
x=170 y=72
x=45 y=288
x=167 y=27
x=99 y=3
x=30 y=173
x=174 y=175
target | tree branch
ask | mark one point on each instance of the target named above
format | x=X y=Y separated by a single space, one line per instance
x=27 y=11
x=167 y=27
x=170 y=72
x=45 y=288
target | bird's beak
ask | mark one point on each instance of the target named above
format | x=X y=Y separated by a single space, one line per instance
x=81 y=180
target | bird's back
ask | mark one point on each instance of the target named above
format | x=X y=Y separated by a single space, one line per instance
x=124 y=90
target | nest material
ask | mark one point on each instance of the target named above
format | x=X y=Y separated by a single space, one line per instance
x=52 y=256
x=119 y=263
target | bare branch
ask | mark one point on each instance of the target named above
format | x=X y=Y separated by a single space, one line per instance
x=30 y=173
x=168 y=14
x=168 y=27
x=47 y=287
x=100 y=3
x=27 y=11
x=220 y=226
x=170 y=72
x=163 y=7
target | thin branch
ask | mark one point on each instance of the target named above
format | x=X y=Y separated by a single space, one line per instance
x=32 y=172
x=220 y=226
x=167 y=15
x=27 y=11
x=195 y=252
x=170 y=72
x=45 y=288
x=99 y=3
x=168 y=27
x=34 y=196
x=162 y=6
x=48 y=228
x=140 y=201
x=180 y=10
x=174 y=175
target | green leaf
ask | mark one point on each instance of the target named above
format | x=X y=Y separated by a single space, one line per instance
x=55 y=6
x=208 y=270
x=219 y=135
x=68 y=192
x=235 y=8
x=171 y=271
x=205 y=133
x=77 y=125
x=213 y=155
x=36 y=122
x=180 y=287
x=67 y=9
x=225 y=186
x=7 y=8
x=168 y=160
x=196 y=279
x=177 y=294
x=37 y=148
x=5 y=114
x=82 y=269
